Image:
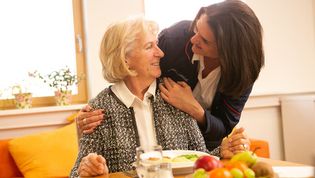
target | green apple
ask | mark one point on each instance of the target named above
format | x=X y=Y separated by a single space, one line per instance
x=247 y=157
x=237 y=173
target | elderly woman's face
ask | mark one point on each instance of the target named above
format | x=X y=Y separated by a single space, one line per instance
x=145 y=58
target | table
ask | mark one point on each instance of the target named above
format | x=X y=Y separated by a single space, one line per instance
x=284 y=169
x=289 y=169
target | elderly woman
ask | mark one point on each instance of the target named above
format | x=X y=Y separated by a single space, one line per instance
x=136 y=113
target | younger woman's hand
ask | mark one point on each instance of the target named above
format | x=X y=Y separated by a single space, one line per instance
x=180 y=96
x=88 y=119
x=236 y=142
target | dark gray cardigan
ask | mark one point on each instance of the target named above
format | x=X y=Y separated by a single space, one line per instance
x=116 y=139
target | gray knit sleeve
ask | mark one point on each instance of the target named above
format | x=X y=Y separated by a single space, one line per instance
x=216 y=152
x=196 y=140
x=89 y=143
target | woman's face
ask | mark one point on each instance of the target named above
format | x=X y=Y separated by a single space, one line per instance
x=203 y=41
x=145 y=58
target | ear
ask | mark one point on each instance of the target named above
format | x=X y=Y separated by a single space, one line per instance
x=126 y=56
x=126 y=60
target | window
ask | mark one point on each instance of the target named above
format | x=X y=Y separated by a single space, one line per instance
x=168 y=12
x=43 y=35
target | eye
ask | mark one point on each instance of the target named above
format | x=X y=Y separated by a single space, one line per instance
x=205 y=41
x=148 y=46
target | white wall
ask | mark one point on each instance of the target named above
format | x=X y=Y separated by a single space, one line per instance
x=289 y=41
x=97 y=15
x=18 y=122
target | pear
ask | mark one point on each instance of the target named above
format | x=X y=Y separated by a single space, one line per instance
x=248 y=157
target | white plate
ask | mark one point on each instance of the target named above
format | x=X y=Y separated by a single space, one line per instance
x=183 y=167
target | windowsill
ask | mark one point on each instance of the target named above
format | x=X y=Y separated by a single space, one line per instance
x=12 y=112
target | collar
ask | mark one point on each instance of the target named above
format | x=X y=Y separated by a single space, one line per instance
x=124 y=94
x=197 y=57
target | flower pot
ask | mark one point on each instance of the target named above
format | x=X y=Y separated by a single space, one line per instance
x=63 y=98
x=23 y=100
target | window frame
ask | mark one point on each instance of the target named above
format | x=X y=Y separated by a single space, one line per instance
x=81 y=97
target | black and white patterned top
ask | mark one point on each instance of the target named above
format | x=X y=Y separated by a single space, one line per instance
x=116 y=139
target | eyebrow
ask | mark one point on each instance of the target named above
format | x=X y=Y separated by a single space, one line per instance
x=203 y=38
x=151 y=42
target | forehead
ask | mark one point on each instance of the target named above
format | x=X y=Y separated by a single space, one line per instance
x=141 y=42
x=204 y=29
x=146 y=37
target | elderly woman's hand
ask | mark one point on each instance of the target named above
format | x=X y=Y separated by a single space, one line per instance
x=236 y=142
x=93 y=165
x=87 y=119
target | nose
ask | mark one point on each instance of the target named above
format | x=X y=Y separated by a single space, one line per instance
x=158 y=52
x=195 y=39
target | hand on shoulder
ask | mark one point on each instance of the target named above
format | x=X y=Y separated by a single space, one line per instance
x=88 y=119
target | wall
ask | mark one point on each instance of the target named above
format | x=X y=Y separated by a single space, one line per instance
x=314 y=17
x=18 y=122
x=97 y=15
x=289 y=42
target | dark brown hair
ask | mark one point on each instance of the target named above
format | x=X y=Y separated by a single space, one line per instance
x=238 y=34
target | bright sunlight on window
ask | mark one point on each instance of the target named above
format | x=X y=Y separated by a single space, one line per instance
x=35 y=35
x=168 y=12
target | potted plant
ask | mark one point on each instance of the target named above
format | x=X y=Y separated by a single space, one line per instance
x=61 y=80
x=23 y=99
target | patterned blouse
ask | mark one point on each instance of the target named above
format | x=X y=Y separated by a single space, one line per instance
x=116 y=139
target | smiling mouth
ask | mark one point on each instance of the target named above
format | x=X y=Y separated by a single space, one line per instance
x=156 y=64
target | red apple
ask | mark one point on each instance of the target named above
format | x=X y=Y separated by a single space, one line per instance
x=207 y=163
